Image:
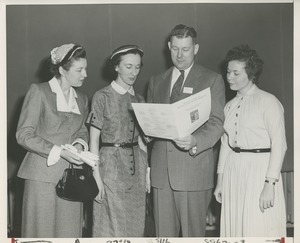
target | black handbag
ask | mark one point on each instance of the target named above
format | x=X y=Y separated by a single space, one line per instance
x=77 y=184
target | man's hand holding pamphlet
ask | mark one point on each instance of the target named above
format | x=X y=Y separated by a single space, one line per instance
x=175 y=120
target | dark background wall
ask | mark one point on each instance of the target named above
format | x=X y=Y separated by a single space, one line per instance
x=33 y=30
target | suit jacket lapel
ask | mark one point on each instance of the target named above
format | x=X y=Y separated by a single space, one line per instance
x=195 y=80
x=165 y=86
x=191 y=81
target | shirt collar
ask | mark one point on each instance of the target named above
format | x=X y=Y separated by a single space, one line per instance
x=61 y=102
x=186 y=71
x=251 y=91
x=119 y=89
x=176 y=73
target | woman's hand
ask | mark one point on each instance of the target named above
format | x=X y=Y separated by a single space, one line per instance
x=218 y=190
x=79 y=147
x=267 y=196
x=218 y=193
x=70 y=157
x=100 y=197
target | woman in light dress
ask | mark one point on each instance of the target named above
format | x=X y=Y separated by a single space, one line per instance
x=252 y=151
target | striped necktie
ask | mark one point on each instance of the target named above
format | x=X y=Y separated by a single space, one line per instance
x=177 y=88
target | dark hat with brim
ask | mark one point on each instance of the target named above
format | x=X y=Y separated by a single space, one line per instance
x=126 y=48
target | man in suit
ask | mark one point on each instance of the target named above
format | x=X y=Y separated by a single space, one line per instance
x=182 y=170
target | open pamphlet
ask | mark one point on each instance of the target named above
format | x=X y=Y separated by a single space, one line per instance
x=175 y=120
x=86 y=156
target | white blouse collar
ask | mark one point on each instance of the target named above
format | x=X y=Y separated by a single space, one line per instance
x=61 y=102
x=251 y=91
x=119 y=89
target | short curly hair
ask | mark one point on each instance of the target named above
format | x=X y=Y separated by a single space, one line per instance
x=253 y=63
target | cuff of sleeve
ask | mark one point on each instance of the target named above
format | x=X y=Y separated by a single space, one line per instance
x=220 y=171
x=193 y=151
x=273 y=175
x=54 y=155
x=142 y=145
x=82 y=142
x=148 y=139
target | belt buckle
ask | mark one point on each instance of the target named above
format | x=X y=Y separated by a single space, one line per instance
x=237 y=149
x=120 y=145
x=117 y=145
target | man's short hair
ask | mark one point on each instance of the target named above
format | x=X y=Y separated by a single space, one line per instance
x=183 y=31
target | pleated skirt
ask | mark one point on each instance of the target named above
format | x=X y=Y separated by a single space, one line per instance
x=243 y=182
x=44 y=215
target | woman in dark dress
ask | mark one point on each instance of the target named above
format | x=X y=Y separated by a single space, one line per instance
x=119 y=209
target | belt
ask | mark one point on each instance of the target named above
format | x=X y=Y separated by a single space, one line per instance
x=240 y=150
x=120 y=145
x=259 y=150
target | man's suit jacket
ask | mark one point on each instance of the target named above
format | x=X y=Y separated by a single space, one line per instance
x=41 y=127
x=188 y=172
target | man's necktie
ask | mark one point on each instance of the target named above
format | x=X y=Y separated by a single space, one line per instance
x=177 y=88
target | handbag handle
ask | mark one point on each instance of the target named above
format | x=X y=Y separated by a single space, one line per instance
x=84 y=167
x=72 y=168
